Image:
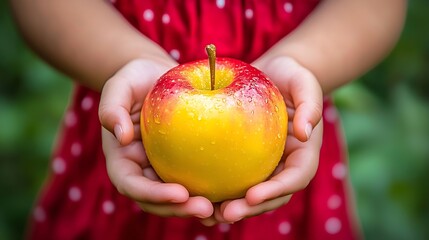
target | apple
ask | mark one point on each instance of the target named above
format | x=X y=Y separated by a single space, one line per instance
x=217 y=127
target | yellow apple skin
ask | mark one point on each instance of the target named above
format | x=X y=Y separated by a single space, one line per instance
x=216 y=143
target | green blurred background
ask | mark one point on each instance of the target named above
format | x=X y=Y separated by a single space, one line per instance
x=385 y=116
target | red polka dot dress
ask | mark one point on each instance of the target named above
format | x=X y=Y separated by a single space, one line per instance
x=78 y=200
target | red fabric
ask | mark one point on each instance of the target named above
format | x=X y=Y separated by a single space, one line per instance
x=79 y=202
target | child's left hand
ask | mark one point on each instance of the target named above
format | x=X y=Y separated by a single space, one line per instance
x=303 y=96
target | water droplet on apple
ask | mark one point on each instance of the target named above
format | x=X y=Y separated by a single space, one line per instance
x=239 y=102
x=266 y=100
x=157 y=119
x=199 y=117
x=279 y=136
x=276 y=108
x=213 y=142
x=202 y=148
x=163 y=132
x=252 y=112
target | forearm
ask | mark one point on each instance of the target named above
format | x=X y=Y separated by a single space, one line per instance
x=87 y=40
x=342 y=40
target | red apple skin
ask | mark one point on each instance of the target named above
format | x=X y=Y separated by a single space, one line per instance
x=217 y=143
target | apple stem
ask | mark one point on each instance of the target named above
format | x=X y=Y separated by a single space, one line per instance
x=211 y=52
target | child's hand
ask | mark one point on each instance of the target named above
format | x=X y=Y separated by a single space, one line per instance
x=303 y=96
x=128 y=168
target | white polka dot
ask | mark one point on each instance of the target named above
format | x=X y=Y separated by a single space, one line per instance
x=75 y=194
x=166 y=18
x=288 y=7
x=148 y=15
x=333 y=225
x=76 y=149
x=70 y=119
x=200 y=237
x=284 y=228
x=108 y=207
x=58 y=165
x=175 y=54
x=334 y=202
x=39 y=214
x=224 y=227
x=330 y=114
x=87 y=103
x=339 y=171
x=220 y=3
x=248 y=13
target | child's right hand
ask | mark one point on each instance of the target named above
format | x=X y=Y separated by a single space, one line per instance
x=127 y=165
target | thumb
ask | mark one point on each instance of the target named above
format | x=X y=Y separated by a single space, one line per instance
x=114 y=111
x=123 y=95
x=302 y=92
x=307 y=98
x=307 y=116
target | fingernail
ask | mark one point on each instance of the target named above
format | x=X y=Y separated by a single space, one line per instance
x=118 y=132
x=308 y=130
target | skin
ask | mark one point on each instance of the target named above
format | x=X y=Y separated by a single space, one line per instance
x=361 y=33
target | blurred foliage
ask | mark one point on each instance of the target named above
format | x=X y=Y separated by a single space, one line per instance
x=385 y=117
x=32 y=100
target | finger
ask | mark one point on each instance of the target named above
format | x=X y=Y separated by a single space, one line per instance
x=125 y=168
x=123 y=96
x=213 y=219
x=114 y=110
x=307 y=99
x=301 y=91
x=299 y=168
x=149 y=173
x=114 y=150
x=194 y=207
x=143 y=189
x=239 y=209
x=128 y=178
